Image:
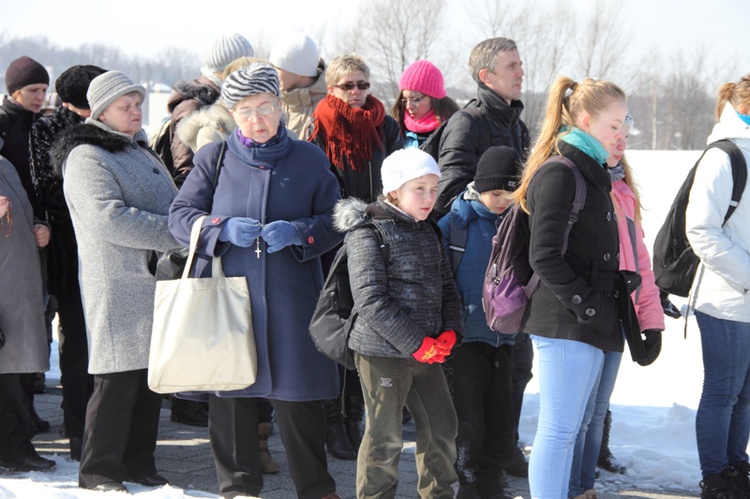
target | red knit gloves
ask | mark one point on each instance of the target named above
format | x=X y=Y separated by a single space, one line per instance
x=436 y=349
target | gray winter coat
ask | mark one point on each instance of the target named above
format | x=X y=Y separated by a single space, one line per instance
x=411 y=297
x=21 y=307
x=119 y=194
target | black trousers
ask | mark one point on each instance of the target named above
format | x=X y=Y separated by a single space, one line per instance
x=77 y=383
x=233 y=430
x=481 y=387
x=523 y=360
x=122 y=422
x=17 y=428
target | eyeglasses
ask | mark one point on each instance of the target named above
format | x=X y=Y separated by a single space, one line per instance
x=362 y=85
x=247 y=112
x=413 y=100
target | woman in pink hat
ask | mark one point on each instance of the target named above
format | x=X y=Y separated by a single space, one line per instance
x=422 y=104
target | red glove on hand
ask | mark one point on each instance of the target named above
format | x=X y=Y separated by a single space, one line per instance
x=446 y=341
x=429 y=351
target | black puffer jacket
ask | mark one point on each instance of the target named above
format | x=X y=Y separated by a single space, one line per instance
x=62 y=252
x=487 y=121
x=576 y=297
x=411 y=297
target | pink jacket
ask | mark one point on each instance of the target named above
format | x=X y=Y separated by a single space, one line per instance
x=634 y=256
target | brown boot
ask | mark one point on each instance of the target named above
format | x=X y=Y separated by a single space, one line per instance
x=267 y=465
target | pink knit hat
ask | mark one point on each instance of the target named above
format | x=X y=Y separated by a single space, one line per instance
x=422 y=76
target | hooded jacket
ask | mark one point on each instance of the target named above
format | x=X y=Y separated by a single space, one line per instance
x=721 y=285
x=402 y=301
x=469 y=214
x=299 y=103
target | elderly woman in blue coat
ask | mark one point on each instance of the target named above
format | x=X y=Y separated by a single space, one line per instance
x=270 y=219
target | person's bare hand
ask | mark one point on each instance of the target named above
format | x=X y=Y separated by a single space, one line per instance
x=41 y=235
x=4 y=205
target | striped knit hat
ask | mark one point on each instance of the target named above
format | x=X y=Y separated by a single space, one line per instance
x=257 y=78
x=221 y=51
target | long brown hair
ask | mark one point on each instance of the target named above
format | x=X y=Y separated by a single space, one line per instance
x=563 y=109
x=734 y=93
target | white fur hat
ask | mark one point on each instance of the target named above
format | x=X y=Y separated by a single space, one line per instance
x=296 y=53
x=405 y=165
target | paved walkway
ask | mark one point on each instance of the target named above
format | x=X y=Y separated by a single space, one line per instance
x=183 y=455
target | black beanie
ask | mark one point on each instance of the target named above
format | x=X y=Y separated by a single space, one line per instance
x=24 y=71
x=73 y=84
x=498 y=168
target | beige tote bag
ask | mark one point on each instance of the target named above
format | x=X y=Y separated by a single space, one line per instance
x=202 y=337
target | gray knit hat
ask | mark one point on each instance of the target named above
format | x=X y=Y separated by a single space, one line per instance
x=107 y=88
x=220 y=52
x=296 y=53
x=257 y=78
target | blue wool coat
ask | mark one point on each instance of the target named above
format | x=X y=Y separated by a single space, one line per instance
x=288 y=181
x=467 y=211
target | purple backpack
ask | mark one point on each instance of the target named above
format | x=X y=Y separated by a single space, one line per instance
x=509 y=280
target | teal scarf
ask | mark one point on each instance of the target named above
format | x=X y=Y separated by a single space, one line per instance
x=586 y=143
x=744 y=117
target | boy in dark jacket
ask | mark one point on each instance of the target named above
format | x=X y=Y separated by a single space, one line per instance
x=480 y=370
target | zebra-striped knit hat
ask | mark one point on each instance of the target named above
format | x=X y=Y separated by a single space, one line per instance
x=257 y=78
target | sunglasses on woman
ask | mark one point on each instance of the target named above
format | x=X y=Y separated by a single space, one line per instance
x=362 y=85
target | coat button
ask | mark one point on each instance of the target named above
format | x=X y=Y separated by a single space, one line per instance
x=616 y=293
x=609 y=216
x=310 y=240
x=606 y=256
x=590 y=312
x=617 y=256
x=576 y=299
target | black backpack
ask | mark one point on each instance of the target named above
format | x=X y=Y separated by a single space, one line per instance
x=675 y=263
x=335 y=314
x=161 y=142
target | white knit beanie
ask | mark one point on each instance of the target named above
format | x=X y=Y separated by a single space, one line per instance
x=107 y=88
x=220 y=52
x=296 y=53
x=257 y=78
x=405 y=165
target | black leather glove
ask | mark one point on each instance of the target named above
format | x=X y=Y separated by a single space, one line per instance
x=653 y=346
x=670 y=309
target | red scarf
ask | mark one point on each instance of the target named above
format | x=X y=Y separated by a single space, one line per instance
x=349 y=132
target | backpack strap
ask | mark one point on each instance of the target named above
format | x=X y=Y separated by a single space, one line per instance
x=739 y=172
x=457 y=243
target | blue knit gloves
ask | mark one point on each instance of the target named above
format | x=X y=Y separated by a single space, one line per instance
x=280 y=234
x=240 y=231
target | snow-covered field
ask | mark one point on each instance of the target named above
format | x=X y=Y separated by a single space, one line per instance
x=653 y=407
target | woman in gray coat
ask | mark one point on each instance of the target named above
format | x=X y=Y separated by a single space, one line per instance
x=21 y=322
x=119 y=194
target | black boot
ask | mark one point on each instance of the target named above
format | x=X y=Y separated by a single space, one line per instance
x=337 y=440
x=355 y=411
x=719 y=486
x=606 y=460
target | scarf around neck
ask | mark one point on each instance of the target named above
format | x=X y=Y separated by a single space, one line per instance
x=248 y=142
x=348 y=133
x=426 y=123
x=586 y=143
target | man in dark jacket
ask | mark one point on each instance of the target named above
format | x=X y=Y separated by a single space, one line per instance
x=492 y=119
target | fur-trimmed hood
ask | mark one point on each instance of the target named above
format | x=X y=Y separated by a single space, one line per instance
x=201 y=89
x=95 y=133
x=348 y=214
x=215 y=116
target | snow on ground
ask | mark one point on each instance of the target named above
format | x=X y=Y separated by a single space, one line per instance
x=653 y=407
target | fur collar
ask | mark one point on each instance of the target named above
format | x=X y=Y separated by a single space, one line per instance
x=215 y=116
x=92 y=133
x=202 y=91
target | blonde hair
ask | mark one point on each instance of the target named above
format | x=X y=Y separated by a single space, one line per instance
x=734 y=93
x=628 y=179
x=344 y=65
x=239 y=63
x=563 y=110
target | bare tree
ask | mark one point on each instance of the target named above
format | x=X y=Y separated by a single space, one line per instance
x=391 y=35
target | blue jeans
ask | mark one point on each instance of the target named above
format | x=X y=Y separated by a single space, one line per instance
x=589 y=440
x=567 y=372
x=722 y=423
